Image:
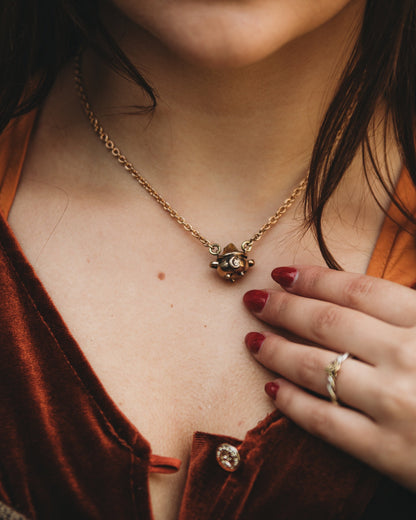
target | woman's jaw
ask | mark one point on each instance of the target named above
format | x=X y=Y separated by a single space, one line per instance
x=226 y=33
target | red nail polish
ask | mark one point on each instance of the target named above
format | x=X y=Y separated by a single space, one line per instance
x=254 y=341
x=285 y=276
x=255 y=300
x=271 y=389
x=413 y=286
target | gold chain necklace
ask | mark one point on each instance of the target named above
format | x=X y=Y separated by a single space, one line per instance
x=231 y=263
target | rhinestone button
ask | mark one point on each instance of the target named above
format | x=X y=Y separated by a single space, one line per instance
x=228 y=457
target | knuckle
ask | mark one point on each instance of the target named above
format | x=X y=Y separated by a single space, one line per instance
x=309 y=366
x=399 y=356
x=320 y=423
x=403 y=353
x=280 y=304
x=314 y=277
x=328 y=316
x=390 y=403
x=398 y=401
x=268 y=353
x=286 y=400
x=357 y=289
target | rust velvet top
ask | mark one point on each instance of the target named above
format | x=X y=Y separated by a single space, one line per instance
x=67 y=451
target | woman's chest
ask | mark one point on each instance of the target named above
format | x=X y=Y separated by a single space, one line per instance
x=162 y=333
x=150 y=315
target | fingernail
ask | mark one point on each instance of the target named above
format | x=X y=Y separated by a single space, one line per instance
x=285 y=276
x=271 y=389
x=254 y=341
x=255 y=300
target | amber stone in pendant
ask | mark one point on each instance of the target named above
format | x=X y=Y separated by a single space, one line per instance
x=231 y=264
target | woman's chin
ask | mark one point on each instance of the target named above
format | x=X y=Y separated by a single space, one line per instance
x=222 y=43
x=216 y=35
x=224 y=34
x=220 y=54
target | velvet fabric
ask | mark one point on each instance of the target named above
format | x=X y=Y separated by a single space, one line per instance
x=67 y=451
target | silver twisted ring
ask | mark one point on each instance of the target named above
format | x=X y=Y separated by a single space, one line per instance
x=332 y=373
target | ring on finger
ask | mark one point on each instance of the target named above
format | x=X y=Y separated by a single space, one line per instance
x=332 y=373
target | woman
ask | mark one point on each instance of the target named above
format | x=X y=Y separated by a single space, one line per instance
x=226 y=109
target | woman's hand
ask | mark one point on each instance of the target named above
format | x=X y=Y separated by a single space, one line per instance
x=331 y=313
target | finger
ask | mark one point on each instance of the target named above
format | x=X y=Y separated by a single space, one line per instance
x=332 y=326
x=382 y=299
x=356 y=383
x=342 y=427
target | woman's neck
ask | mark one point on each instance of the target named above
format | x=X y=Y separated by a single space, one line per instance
x=245 y=130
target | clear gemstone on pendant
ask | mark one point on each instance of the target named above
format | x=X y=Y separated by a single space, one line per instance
x=235 y=262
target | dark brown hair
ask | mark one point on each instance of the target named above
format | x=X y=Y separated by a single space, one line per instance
x=38 y=37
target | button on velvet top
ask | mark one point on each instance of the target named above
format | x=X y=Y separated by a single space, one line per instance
x=228 y=457
x=67 y=451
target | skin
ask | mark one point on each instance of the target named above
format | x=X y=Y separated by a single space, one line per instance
x=343 y=312
x=228 y=34
x=239 y=110
x=217 y=91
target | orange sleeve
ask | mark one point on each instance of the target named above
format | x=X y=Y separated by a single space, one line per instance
x=13 y=146
x=394 y=257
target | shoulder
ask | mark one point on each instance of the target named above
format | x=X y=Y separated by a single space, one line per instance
x=13 y=146
x=394 y=257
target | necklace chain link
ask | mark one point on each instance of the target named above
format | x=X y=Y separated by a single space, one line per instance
x=214 y=248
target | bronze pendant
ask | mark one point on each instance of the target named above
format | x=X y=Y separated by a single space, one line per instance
x=231 y=264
